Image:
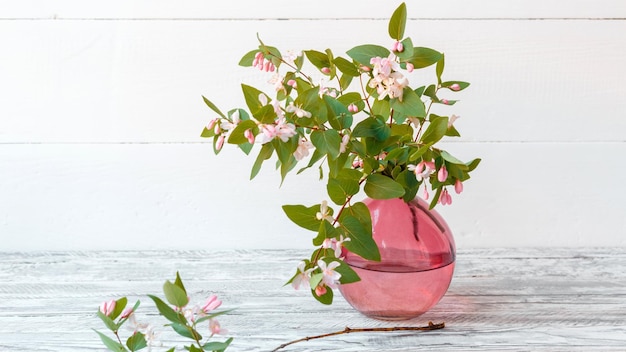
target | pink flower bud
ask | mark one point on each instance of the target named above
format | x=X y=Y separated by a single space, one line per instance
x=320 y=290
x=394 y=47
x=455 y=87
x=325 y=70
x=353 y=108
x=127 y=312
x=292 y=83
x=107 y=308
x=426 y=194
x=444 y=101
x=216 y=129
x=409 y=67
x=445 y=198
x=211 y=124
x=272 y=67
x=400 y=47
x=220 y=142
x=365 y=68
x=266 y=66
x=442 y=175
x=458 y=186
x=258 y=56
x=211 y=304
x=249 y=135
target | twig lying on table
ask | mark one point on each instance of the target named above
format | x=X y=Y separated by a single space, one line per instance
x=348 y=330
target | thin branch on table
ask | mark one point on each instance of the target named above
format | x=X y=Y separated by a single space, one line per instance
x=348 y=330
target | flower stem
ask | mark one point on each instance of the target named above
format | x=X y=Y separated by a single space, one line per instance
x=349 y=330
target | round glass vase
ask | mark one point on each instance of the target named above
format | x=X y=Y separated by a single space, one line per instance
x=417 y=253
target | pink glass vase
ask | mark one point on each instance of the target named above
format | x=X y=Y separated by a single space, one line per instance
x=417 y=261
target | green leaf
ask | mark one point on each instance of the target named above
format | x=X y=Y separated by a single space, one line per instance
x=372 y=127
x=213 y=107
x=382 y=187
x=462 y=85
x=346 y=67
x=251 y=96
x=473 y=164
x=326 y=298
x=265 y=114
x=217 y=346
x=327 y=141
x=409 y=182
x=342 y=118
x=346 y=184
x=407 y=53
x=111 y=344
x=108 y=322
x=440 y=65
x=419 y=152
x=184 y=331
x=120 y=304
x=364 y=53
x=237 y=135
x=248 y=58
x=348 y=275
x=381 y=108
x=411 y=104
x=436 y=129
x=167 y=312
x=318 y=59
x=303 y=216
x=175 y=295
x=266 y=152
x=448 y=157
x=424 y=57
x=136 y=341
x=361 y=241
x=398 y=22
x=326 y=230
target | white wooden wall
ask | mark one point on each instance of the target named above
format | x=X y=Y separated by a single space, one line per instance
x=101 y=111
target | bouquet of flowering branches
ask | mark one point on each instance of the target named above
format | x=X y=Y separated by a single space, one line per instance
x=367 y=131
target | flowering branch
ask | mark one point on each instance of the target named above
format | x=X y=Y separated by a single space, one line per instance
x=349 y=330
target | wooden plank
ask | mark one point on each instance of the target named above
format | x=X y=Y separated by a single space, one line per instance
x=141 y=81
x=130 y=196
x=543 y=299
x=198 y=9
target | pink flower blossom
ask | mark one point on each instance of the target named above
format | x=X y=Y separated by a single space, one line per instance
x=422 y=170
x=297 y=110
x=324 y=213
x=127 y=312
x=335 y=245
x=452 y=119
x=455 y=87
x=344 y=143
x=281 y=129
x=292 y=83
x=302 y=278
x=211 y=124
x=409 y=67
x=215 y=328
x=303 y=149
x=330 y=276
x=107 y=308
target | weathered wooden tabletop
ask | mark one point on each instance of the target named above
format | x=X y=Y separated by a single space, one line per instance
x=500 y=299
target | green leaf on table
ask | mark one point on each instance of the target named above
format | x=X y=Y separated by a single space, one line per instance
x=398 y=22
x=167 y=312
x=424 y=57
x=435 y=130
x=111 y=344
x=213 y=107
x=382 y=187
x=136 y=341
x=303 y=216
x=364 y=53
x=361 y=241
